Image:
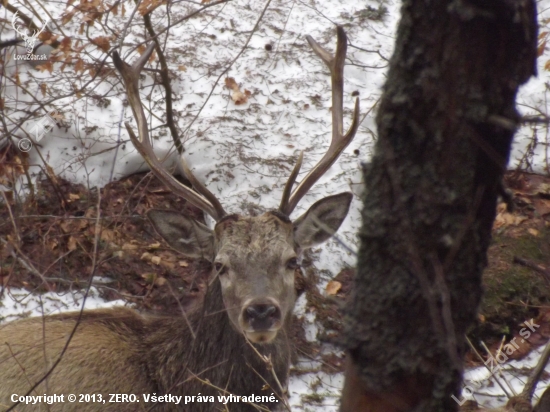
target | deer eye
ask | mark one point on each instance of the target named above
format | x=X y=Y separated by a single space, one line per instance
x=220 y=268
x=292 y=264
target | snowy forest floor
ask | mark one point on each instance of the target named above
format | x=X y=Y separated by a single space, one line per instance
x=57 y=228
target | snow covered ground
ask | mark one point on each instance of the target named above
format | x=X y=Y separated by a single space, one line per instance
x=244 y=153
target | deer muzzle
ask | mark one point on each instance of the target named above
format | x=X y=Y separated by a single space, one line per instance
x=261 y=320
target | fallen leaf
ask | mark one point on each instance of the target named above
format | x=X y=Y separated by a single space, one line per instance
x=542 y=206
x=108 y=235
x=237 y=96
x=507 y=219
x=128 y=246
x=532 y=231
x=149 y=277
x=183 y=263
x=160 y=281
x=155 y=245
x=72 y=244
x=333 y=287
x=156 y=260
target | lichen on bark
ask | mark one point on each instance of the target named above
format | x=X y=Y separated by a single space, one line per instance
x=445 y=124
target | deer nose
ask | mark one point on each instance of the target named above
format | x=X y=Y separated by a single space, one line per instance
x=262 y=316
x=260 y=311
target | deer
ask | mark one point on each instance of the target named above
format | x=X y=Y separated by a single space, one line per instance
x=30 y=39
x=236 y=343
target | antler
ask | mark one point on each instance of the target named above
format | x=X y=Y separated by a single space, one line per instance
x=202 y=197
x=339 y=139
x=14 y=24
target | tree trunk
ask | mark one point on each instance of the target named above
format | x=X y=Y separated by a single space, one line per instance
x=445 y=125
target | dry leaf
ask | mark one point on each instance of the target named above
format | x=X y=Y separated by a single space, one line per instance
x=155 y=245
x=160 y=281
x=333 y=287
x=533 y=232
x=128 y=246
x=146 y=256
x=74 y=196
x=149 y=277
x=183 y=263
x=45 y=66
x=43 y=89
x=72 y=244
x=507 y=219
x=79 y=66
x=68 y=17
x=65 y=226
x=182 y=68
x=231 y=84
x=540 y=48
x=237 y=96
x=147 y=6
x=156 y=260
x=108 y=235
x=102 y=42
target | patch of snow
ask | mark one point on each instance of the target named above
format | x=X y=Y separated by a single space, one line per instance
x=19 y=303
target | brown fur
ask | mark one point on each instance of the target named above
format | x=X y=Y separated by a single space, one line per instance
x=119 y=351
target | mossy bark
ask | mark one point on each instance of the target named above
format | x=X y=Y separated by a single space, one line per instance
x=445 y=125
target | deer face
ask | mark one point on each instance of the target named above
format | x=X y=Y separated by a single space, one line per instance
x=255 y=258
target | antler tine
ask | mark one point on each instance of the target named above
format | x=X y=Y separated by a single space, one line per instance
x=290 y=182
x=204 y=199
x=339 y=139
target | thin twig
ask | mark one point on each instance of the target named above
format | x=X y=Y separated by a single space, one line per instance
x=94 y=262
x=229 y=66
x=485 y=364
x=269 y=366
x=532 y=265
x=535 y=375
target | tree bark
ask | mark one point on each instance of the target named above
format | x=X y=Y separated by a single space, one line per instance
x=445 y=126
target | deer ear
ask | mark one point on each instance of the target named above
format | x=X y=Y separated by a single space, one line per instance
x=186 y=235
x=322 y=220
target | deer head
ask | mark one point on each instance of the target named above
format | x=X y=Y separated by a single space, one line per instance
x=253 y=258
x=30 y=40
